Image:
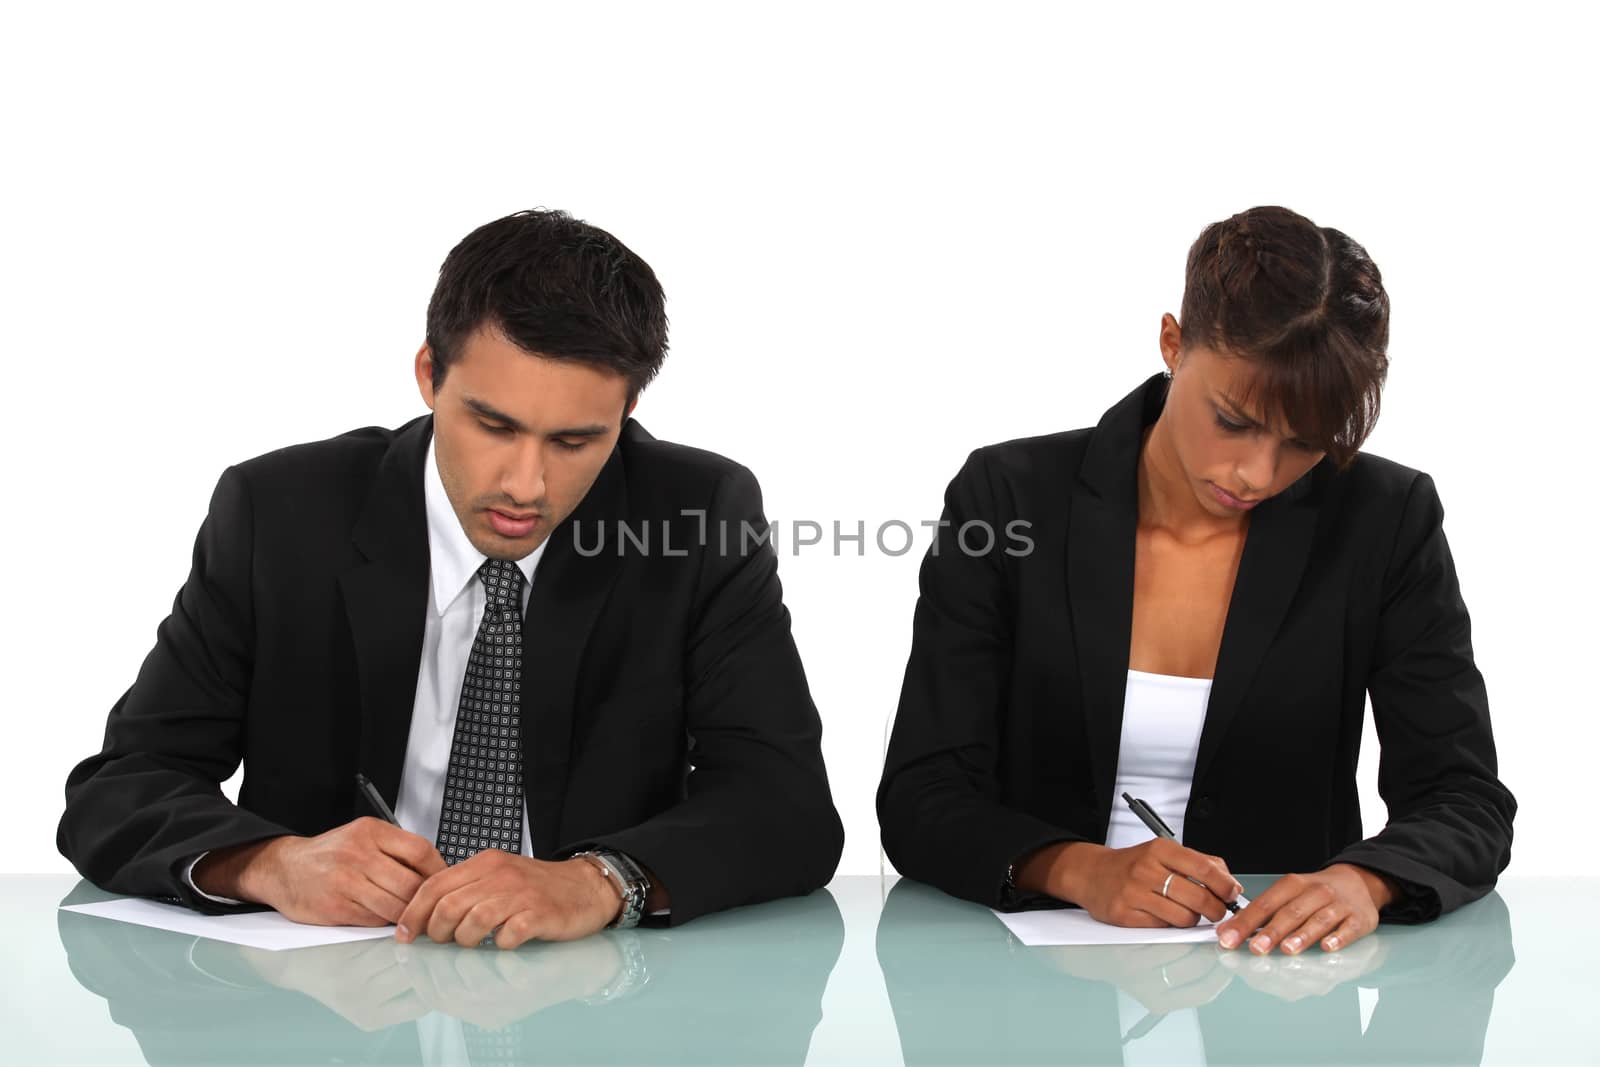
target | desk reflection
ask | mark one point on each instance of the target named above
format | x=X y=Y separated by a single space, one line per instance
x=741 y=987
x=964 y=991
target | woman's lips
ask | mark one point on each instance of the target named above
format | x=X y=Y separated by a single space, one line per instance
x=1228 y=500
x=511 y=525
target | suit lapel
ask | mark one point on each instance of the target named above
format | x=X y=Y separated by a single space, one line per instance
x=1100 y=549
x=1276 y=548
x=569 y=589
x=385 y=600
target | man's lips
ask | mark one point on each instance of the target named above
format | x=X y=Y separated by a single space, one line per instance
x=512 y=524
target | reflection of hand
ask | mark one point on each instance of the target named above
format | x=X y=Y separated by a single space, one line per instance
x=1161 y=977
x=1297 y=977
x=379 y=983
x=491 y=989
x=1336 y=905
x=363 y=981
x=518 y=896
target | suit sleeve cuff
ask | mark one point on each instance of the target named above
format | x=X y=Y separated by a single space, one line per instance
x=188 y=880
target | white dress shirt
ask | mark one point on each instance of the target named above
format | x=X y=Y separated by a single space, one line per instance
x=1161 y=720
x=456 y=601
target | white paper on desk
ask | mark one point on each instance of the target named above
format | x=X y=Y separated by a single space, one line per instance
x=257 y=929
x=1073 y=926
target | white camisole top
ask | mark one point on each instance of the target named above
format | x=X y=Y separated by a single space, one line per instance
x=1161 y=720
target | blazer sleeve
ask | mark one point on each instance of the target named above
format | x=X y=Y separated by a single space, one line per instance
x=151 y=800
x=1449 y=830
x=939 y=804
x=758 y=821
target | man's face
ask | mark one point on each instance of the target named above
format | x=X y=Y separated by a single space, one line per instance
x=1220 y=445
x=519 y=438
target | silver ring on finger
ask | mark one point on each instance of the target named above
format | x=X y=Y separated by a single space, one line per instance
x=1167 y=883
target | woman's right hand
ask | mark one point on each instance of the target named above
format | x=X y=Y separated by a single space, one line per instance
x=1123 y=886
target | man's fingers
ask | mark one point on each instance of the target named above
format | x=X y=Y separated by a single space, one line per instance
x=518 y=929
x=379 y=901
x=396 y=879
x=411 y=849
x=419 y=913
x=481 y=920
x=448 y=912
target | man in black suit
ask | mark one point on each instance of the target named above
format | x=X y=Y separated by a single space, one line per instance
x=555 y=645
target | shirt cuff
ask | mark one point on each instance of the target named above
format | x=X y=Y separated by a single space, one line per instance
x=188 y=878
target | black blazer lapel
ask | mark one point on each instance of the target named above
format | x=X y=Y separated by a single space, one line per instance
x=569 y=589
x=1101 y=530
x=385 y=600
x=1276 y=548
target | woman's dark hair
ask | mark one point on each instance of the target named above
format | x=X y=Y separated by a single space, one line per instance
x=555 y=286
x=1306 y=305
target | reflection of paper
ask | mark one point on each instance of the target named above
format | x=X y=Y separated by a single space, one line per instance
x=1073 y=926
x=258 y=929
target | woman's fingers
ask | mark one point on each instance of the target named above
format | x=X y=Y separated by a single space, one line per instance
x=1195 y=899
x=1209 y=871
x=1322 y=922
x=1350 y=930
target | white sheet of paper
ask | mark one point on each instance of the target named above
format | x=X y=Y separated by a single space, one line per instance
x=257 y=929
x=1073 y=926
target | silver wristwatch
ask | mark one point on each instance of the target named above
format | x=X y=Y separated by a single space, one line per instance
x=628 y=877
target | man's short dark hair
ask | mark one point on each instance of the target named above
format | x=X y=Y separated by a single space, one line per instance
x=556 y=287
x=1306 y=305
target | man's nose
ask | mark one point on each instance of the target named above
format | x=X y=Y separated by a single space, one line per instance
x=523 y=480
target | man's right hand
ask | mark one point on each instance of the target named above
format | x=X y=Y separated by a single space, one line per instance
x=363 y=873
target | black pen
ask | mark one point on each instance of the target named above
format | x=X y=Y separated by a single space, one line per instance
x=375 y=798
x=1148 y=816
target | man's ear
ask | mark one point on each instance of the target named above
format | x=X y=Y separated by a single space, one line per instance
x=423 y=368
x=631 y=405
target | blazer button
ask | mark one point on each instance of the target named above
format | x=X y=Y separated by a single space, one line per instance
x=1201 y=808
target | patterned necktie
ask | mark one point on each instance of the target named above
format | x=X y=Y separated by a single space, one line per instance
x=483 y=788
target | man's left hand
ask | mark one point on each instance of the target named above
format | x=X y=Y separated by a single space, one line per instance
x=523 y=897
x=1336 y=906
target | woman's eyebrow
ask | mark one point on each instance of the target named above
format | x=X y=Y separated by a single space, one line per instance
x=1235 y=410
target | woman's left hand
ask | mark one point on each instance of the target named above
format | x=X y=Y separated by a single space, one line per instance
x=1336 y=906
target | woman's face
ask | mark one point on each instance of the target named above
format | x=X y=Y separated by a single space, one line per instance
x=1232 y=457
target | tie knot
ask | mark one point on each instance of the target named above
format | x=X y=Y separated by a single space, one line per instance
x=502 y=580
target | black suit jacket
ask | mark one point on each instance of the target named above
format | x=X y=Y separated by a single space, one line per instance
x=666 y=713
x=1010 y=716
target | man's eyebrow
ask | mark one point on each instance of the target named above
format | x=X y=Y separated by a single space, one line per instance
x=487 y=411
x=591 y=430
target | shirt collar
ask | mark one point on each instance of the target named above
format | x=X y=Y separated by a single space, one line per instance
x=453 y=560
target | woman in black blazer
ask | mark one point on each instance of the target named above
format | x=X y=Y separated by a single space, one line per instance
x=1218 y=523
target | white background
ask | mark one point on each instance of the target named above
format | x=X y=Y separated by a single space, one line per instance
x=888 y=234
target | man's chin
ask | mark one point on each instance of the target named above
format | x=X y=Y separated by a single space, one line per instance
x=498 y=546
